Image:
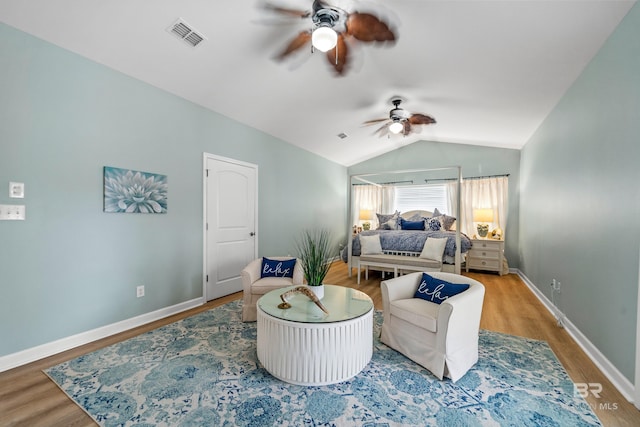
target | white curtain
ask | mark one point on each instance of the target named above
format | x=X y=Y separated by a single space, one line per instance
x=378 y=199
x=482 y=193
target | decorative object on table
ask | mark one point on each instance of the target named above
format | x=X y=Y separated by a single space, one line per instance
x=496 y=233
x=315 y=251
x=131 y=191
x=365 y=216
x=482 y=217
x=300 y=290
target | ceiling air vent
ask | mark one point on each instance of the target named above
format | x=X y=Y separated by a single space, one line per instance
x=185 y=32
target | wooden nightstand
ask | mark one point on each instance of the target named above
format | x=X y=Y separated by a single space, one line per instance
x=486 y=254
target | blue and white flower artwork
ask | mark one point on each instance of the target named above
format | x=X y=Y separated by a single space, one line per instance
x=134 y=192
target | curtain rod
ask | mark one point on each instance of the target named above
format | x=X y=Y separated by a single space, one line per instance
x=468 y=177
x=389 y=183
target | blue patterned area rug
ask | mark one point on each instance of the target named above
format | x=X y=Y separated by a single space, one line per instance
x=203 y=371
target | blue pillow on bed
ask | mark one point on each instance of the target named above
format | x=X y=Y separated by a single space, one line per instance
x=437 y=290
x=277 y=268
x=411 y=225
x=434 y=223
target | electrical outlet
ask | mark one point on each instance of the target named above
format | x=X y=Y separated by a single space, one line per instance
x=555 y=285
x=140 y=291
x=13 y=212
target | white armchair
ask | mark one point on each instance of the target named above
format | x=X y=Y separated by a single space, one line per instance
x=441 y=337
x=253 y=286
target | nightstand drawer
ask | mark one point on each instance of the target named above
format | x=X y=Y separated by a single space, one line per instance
x=487 y=244
x=484 y=264
x=484 y=253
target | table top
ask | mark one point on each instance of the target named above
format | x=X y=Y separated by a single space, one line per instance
x=341 y=302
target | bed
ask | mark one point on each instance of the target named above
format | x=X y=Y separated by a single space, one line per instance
x=410 y=243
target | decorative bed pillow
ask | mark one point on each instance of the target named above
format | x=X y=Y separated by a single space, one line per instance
x=277 y=268
x=434 y=248
x=434 y=223
x=392 y=224
x=411 y=225
x=388 y=222
x=370 y=245
x=446 y=220
x=438 y=290
x=415 y=217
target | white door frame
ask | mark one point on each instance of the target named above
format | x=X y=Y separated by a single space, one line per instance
x=206 y=156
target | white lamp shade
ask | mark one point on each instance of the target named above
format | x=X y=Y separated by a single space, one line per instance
x=324 y=38
x=365 y=214
x=483 y=215
x=396 y=127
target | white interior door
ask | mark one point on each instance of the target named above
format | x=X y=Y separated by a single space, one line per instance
x=230 y=223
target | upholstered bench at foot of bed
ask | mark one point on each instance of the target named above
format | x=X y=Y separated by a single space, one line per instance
x=396 y=263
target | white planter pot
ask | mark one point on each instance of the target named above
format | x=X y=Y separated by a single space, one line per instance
x=318 y=291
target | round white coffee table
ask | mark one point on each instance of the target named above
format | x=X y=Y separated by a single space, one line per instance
x=303 y=345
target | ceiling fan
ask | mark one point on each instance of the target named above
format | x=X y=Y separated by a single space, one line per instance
x=332 y=29
x=400 y=120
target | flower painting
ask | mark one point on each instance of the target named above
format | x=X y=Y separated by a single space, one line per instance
x=134 y=192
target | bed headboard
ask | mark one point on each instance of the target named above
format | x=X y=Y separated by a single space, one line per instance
x=409 y=214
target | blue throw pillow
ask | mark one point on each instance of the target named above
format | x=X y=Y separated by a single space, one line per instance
x=411 y=225
x=437 y=290
x=277 y=268
x=434 y=223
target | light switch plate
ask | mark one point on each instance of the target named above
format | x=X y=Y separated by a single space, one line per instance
x=16 y=190
x=13 y=212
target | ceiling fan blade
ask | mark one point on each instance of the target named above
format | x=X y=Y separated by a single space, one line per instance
x=374 y=121
x=289 y=12
x=406 y=127
x=367 y=28
x=382 y=130
x=339 y=62
x=421 y=119
x=298 y=42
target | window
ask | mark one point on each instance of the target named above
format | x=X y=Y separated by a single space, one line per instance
x=423 y=197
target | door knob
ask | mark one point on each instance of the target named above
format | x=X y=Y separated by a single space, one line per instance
x=252 y=234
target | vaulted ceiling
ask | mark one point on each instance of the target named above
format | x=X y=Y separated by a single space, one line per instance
x=489 y=72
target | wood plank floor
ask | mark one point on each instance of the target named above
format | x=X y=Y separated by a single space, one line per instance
x=29 y=398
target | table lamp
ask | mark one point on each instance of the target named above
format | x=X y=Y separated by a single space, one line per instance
x=482 y=217
x=365 y=216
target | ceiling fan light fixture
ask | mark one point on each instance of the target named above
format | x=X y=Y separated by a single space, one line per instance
x=324 y=38
x=396 y=127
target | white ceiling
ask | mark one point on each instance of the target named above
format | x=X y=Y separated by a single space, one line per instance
x=488 y=71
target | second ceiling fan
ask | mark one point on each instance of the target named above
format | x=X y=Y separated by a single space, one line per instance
x=333 y=29
x=400 y=120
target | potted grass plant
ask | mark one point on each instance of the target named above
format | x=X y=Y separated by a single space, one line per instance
x=315 y=252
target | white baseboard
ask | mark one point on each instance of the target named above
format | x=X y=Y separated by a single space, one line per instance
x=624 y=386
x=29 y=355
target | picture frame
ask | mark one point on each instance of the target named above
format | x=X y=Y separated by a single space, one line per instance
x=130 y=191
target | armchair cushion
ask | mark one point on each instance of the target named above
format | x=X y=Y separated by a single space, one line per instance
x=417 y=312
x=437 y=290
x=277 y=267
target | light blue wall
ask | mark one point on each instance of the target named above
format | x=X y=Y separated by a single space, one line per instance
x=69 y=267
x=474 y=160
x=580 y=198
